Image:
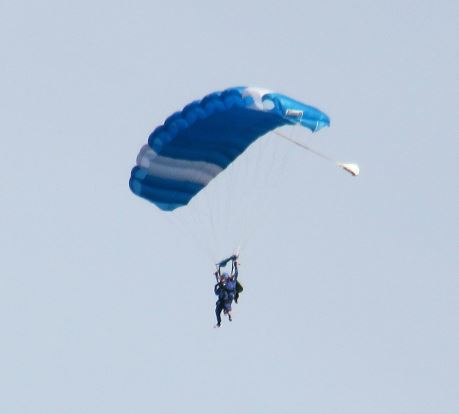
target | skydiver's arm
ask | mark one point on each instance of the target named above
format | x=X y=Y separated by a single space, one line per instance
x=224 y=262
x=218 y=273
x=235 y=269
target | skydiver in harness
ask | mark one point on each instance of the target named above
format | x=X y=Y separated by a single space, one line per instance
x=227 y=289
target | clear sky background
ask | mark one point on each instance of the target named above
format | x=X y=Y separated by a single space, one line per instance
x=351 y=299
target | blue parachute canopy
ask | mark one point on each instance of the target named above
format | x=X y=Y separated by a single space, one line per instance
x=196 y=144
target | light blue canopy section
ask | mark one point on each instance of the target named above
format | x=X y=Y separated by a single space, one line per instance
x=194 y=145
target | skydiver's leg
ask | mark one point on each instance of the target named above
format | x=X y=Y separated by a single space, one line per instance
x=218 y=312
x=227 y=309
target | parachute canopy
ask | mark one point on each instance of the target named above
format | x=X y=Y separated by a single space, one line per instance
x=194 y=145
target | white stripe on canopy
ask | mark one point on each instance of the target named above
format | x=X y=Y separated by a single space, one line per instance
x=198 y=172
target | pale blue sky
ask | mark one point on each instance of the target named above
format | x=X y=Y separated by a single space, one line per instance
x=351 y=301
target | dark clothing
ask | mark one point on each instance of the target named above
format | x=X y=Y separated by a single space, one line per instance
x=221 y=292
x=232 y=281
x=239 y=289
x=218 y=312
x=231 y=287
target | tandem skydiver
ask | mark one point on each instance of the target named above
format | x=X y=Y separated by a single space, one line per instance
x=227 y=288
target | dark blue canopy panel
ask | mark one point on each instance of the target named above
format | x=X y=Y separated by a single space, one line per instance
x=196 y=144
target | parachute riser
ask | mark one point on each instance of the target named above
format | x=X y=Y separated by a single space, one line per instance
x=351 y=168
